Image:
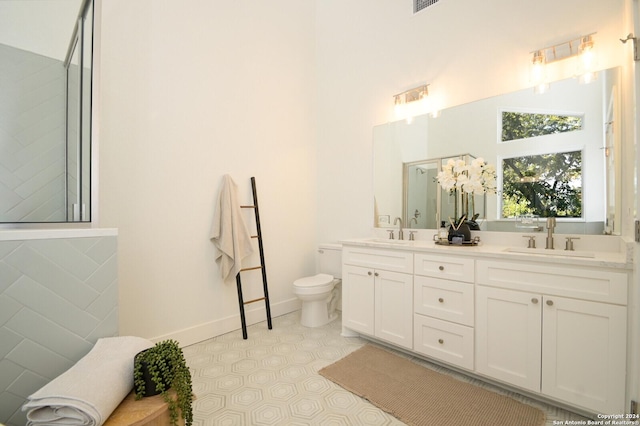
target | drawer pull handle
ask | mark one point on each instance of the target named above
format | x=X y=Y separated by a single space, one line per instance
x=440 y=341
x=534 y=300
x=441 y=300
x=441 y=267
x=550 y=302
x=376 y=274
x=369 y=273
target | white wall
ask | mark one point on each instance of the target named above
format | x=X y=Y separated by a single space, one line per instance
x=465 y=50
x=289 y=92
x=192 y=90
x=630 y=99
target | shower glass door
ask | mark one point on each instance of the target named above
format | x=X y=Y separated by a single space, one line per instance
x=78 y=123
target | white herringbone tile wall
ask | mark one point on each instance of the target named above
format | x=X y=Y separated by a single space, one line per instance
x=57 y=297
x=32 y=137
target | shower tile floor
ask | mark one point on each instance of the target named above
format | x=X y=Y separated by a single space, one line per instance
x=271 y=379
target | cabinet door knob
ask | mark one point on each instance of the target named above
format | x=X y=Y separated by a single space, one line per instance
x=441 y=267
x=534 y=300
x=550 y=302
x=376 y=274
x=441 y=300
x=440 y=341
x=369 y=273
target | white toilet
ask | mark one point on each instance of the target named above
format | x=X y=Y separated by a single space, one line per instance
x=318 y=293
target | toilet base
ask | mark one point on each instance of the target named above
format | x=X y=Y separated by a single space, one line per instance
x=315 y=313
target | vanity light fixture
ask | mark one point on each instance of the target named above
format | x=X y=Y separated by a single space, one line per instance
x=412 y=102
x=581 y=47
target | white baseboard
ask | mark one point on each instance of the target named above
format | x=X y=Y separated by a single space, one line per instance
x=254 y=315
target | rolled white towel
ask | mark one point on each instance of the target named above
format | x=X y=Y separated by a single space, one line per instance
x=88 y=392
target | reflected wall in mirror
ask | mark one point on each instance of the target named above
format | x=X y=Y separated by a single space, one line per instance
x=45 y=110
x=477 y=128
x=421 y=194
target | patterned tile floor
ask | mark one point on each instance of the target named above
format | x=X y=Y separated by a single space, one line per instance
x=271 y=379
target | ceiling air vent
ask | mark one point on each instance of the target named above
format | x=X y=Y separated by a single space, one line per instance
x=418 y=5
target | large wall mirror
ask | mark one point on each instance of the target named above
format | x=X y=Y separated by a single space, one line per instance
x=45 y=110
x=576 y=137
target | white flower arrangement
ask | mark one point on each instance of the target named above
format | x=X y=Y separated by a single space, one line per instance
x=467 y=179
x=475 y=178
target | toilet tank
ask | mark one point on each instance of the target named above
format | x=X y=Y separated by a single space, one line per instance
x=329 y=260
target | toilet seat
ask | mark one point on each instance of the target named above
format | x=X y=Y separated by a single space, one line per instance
x=314 y=281
x=317 y=284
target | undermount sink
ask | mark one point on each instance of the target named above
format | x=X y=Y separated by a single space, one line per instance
x=543 y=252
x=389 y=241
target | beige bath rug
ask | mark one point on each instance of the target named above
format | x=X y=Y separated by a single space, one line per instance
x=419 y=396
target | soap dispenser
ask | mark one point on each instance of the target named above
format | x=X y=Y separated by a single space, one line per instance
x=443 y=234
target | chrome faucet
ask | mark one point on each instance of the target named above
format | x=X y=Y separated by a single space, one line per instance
x=413 y=220
x=400 y=235
x=551 y=224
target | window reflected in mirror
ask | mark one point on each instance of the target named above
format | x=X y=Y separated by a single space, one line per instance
x=522 y=125
x=546 y=185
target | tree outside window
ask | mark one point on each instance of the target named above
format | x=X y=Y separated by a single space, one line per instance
x=544 y=185
x=519 y=125
x=547 y=185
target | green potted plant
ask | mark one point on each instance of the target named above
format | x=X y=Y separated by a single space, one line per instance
x=165 y=367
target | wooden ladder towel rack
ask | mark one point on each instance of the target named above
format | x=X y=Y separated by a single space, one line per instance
x=241 y=301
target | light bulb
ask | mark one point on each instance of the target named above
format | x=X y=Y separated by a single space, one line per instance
x=539 y=73
x=586 y=61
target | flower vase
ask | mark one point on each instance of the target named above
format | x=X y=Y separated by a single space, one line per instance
x=459 y=234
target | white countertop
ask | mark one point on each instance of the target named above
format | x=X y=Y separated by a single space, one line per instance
x=622 y=259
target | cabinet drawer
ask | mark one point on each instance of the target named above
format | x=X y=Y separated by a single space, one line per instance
x=444 y=299
x=388 y=260
x=449 y=267
x=443 y=340
x=575 y=282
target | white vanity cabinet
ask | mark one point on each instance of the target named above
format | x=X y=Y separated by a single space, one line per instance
x=557 y=330
x=551 y=327
x=509 y=333
x=377 y=293
x=444 y=308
